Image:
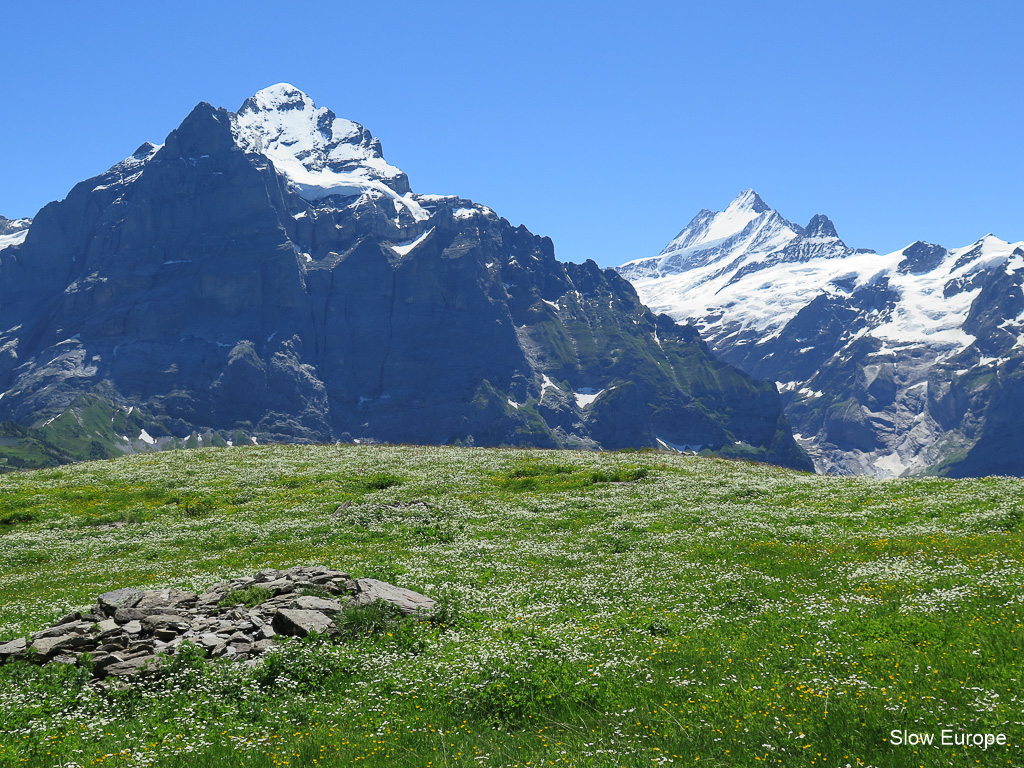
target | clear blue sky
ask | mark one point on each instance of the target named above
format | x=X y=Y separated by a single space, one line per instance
x=605 y=126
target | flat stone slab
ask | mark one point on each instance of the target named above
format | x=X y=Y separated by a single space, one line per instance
x=73 y=628
x=311 y=603
x=16 y=646
x=166 y=598
x=295 y=622
x=50 y=646
x=166 y=621
x=106 y=627
x=408 y=603
x=130 y=667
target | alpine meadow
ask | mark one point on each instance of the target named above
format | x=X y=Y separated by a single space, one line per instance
x=593 y=609
x=483 y=385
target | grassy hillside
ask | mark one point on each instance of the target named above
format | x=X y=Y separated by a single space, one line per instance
x=600 y=610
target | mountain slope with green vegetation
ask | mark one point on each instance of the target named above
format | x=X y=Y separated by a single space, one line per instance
x=598 y=609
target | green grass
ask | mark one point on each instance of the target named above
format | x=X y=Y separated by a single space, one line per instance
x=534 y=476
x=597 y=609
x=249 y=597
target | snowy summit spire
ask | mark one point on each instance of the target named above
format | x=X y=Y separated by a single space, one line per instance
x=320 y=153
x=280 y=96
x=748 y=200
x=746 y=226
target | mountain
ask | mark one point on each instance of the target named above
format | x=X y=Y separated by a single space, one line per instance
x=896 y=364
x=266 y=275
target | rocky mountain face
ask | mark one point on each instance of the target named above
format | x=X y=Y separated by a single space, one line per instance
x=267 y=275
x=891 y=365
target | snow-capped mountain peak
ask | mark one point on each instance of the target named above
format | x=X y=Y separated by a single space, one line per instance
x=820 y=226
x=320 y=153
x=988 y=251
x=280 y=97
x=747 y=229
x=887 y=361
x=747 y=200
x=747 y=220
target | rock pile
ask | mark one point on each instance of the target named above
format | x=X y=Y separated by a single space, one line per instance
x=128 y=628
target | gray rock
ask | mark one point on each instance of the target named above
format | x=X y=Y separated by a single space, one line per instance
x=101 y=661
x=133 y=627
x=126 y=597
x=212 y=595
x=279 y=586
x=306 y=572
x=167 y=599
x=142 y=648
x=106 y=628
x=13 y=648
x=341 y=586
x=408 y=603
x=131 y=666
x=310 y=603
x=48 y=647
x=124 y=615
x=281 y=601
x=61 y=629
x=289 y=621
x=166 y=620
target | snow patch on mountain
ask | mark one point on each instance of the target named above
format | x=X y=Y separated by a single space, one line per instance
x=587 y=395
x=404 y=249
x=15 y=238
